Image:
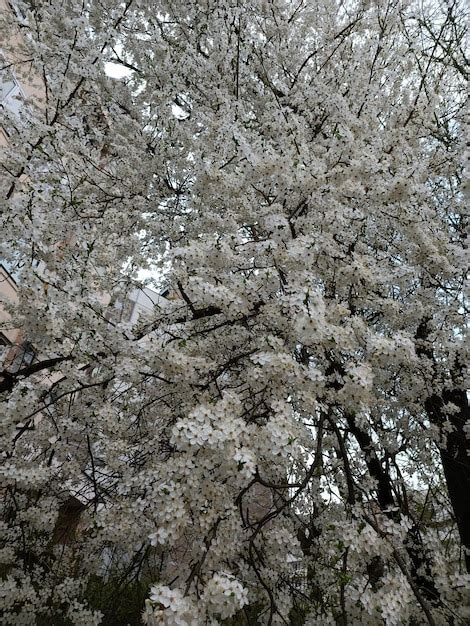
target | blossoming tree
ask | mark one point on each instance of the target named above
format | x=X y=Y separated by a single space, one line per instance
x=287 y=440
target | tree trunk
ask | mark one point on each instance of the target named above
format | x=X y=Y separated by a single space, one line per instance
x=455 y=456
x=455 y=459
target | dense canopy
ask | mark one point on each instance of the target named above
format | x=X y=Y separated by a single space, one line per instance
x=284 y=439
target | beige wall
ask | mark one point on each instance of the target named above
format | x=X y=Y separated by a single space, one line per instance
x=28 y=84
x=20 y=69
x=8 y=292
x=14 y=51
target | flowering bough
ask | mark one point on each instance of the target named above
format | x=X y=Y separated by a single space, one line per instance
x=284 y=434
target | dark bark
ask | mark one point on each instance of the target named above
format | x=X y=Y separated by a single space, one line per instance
x=420 y=561
x=455 y=454
x=384 y=485
x=455 y=457
x=9 y=379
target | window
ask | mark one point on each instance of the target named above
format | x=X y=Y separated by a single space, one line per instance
x=19 y=12
x=10 y=268
x=7 y=86
x=4 y=349
x=23 y=356
x=13 y=267
x=11 y=93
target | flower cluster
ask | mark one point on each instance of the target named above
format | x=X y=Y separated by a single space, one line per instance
x=224 y=595
x=169 y=607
